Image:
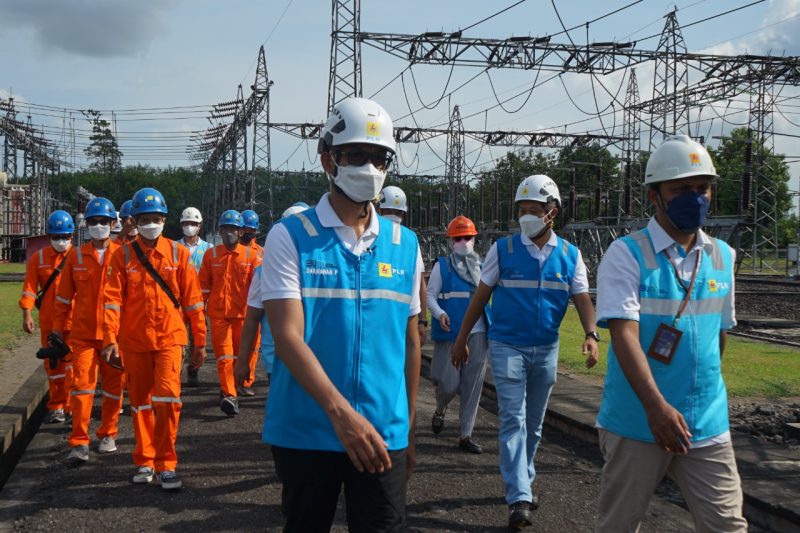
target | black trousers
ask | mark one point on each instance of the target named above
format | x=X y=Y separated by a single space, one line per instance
x=312 y=481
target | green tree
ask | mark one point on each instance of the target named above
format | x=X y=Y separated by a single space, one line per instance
x=104 y=149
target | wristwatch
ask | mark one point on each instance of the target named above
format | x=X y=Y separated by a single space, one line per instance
x=594 y=335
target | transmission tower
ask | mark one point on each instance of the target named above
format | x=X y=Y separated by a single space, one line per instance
x=457 y=187
x=631 y=131
x=10 y=142
x=670 y=114
x=344 y=78
x=262 y=149
x=765 y=215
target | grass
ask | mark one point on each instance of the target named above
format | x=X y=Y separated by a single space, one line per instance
x=10 y=314
x=749 y=368
x=10 y=268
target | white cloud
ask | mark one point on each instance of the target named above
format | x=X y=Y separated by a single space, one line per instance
x=96 y=28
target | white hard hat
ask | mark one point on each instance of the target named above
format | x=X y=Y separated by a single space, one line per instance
x=539 y=188
x=678 y=157
x=393 y=198
x=293 y=210
x=191 y=214
x=116 y=227
x=357 y=120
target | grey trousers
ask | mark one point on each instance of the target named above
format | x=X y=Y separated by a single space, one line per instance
x=466 y=381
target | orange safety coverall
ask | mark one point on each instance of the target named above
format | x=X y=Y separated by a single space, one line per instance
x=151 y=332
x=225 y=279
x=80 y=292
x=259 y=251
x=37 y=272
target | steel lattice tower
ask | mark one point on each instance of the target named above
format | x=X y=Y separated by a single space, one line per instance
x=457 y=187
x=239 y=155
x=262 y=149
x=9 y=144
x=764 y=201
x=344 y=78
x=631 y=131
x=671 y=112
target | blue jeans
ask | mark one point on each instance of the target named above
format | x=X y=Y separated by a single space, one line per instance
x=523 y=378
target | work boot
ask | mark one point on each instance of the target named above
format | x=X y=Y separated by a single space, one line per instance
x=107 y=445
x=437 y=422
x=78 y=454
x=169 y=480
x=520 y=515
x=469 y=445
x=192 y=377
x=144 y=474
x=56 y=416
x=245 y=391
x=229 y=405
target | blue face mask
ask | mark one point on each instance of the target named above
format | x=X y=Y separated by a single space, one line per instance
x=688 y=211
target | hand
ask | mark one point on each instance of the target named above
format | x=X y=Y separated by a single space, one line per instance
x=590 y=349
x=241 y=371
x=198 y=356
x=111 y=356
x=27 y=321
x=444 y=322
x=422 y=329
x=669 y=428
x=459 y=353
x=364 y=445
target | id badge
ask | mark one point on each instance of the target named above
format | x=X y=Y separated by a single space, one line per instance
x=664 y=343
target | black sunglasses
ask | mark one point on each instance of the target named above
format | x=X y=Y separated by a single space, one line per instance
x=459 y=239
x=381 y=160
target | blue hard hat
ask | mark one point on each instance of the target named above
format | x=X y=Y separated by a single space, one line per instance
x=148 y=200
x=231 y=217
x=125 y=210
x=100 y=207
x=60 y=223
x=301 y=204
x=250 y=219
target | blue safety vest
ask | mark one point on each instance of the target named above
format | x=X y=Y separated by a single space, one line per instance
x=356 y=311
x=453 y=299
x=692 y=383
x=196 y=255
x=529 y=302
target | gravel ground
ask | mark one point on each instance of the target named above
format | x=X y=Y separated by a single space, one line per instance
x=767 y=419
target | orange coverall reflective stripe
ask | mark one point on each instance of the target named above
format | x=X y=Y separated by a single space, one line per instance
x=225 y=277
x=80 y=291
x=151 y=332
x=37 y=272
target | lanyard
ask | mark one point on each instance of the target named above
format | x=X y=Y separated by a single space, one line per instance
x=688 y=289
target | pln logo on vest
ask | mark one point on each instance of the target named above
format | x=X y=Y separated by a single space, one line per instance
x=714 y=285
x=385 y=270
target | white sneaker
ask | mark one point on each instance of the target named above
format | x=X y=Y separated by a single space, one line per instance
x=78 y=454
x=107 y=445
x=143 y=475
x=56 y=416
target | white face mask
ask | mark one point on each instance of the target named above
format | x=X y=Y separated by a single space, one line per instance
x=59 y=246
x=151 y=231
x=117 y=227
x=230 y=238
x=394 y=218
x=190 y=231
x=531 y=225
x=463 y=248
x=100 y=231
x=133 y=232
x=360 y=184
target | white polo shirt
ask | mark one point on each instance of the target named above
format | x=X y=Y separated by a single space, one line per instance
x=490 y=272
x=280 y=271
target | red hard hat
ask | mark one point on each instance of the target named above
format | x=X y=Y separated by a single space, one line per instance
x=461 y=226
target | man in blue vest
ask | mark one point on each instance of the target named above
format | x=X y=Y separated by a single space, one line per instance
x=530 y=276
x=341 y=290
x=666 y=295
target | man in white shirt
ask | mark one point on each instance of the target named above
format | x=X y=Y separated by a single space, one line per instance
x=341 y=291
x=666 y=294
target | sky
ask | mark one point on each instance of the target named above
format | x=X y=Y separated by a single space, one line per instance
x=174 y=59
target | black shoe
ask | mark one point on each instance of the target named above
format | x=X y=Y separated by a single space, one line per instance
x=520 y=515
x=229 y=405
x=437 y=422
x=535 y=502
x=192 y=378
x=469 y=445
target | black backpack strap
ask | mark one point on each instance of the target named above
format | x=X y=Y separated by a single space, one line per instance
x=53 y=275
x=154 y=274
